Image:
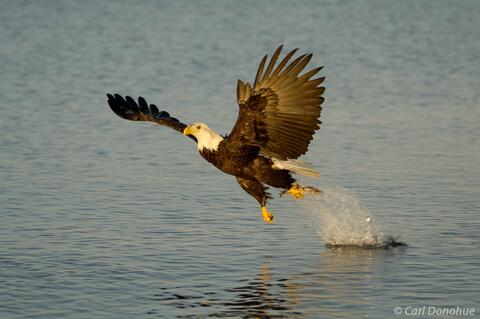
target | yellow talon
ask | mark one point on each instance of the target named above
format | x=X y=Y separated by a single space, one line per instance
x=296 y=191
x=267 y=216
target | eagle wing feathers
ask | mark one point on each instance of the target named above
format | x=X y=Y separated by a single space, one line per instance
x=128 y=109
x=280 y=113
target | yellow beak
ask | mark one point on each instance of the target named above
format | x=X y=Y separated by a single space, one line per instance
x=187 y=131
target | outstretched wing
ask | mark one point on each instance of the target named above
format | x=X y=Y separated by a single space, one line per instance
x=128 y=109
x=280 y=113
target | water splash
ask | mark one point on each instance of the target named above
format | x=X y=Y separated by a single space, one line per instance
x=341 y=220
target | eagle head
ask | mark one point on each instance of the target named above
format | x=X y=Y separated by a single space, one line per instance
x=206 y=137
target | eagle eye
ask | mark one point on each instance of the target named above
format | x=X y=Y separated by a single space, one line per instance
x=198 y=127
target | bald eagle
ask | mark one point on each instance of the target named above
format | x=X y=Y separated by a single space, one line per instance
x=277 y=118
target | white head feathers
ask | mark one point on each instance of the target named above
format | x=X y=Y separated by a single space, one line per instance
x=206 y=137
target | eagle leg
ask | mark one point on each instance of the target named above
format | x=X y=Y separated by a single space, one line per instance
x=298 y=191
x=258 y=191
x=267 y=216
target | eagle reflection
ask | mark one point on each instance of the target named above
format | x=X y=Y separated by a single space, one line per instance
x=262 y=297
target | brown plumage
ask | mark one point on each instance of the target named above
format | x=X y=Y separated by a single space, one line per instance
x=280 y=112
x=278 y=116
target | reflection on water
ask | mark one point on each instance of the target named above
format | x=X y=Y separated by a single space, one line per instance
x=342 y=280
x=261 y=297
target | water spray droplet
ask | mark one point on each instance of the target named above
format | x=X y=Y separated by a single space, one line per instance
x=341 y=220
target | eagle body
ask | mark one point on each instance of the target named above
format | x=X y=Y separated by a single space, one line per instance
x=242 y=161
x=277 y=118
x=227 y=161
x=249 y=169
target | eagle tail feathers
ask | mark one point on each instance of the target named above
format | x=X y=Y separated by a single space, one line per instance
x=296 y=166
